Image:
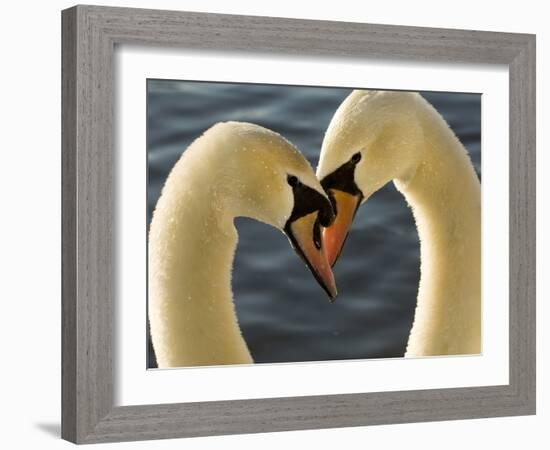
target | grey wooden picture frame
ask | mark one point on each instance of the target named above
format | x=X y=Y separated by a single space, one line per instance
x=89 y=37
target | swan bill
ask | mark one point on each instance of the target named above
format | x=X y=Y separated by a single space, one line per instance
x=345 y=197
x=334 y=237
x=304 y=234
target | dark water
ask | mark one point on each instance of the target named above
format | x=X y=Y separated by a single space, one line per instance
x=283 y=313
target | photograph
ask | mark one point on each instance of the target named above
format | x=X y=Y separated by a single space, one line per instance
x=288 y=222
x=300 y=223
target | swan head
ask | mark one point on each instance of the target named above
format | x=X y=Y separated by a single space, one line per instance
x=374 y=137
x=263 y=176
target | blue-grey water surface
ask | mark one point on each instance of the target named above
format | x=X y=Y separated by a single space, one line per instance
x=283 y=313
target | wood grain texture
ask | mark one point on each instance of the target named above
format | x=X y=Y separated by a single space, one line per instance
x=68 y=225
x=89 y=204
x=523 y=225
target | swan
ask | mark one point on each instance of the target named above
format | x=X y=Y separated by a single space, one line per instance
x=378 y=136
x=234 y=169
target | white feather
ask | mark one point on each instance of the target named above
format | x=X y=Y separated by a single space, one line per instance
x=403 y=138
x=234 y=169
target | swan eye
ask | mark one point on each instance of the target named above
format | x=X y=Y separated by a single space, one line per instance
x=293 y=181
x=356 y=158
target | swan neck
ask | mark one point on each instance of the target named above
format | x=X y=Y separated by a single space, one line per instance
x=191 y=309
x=445 y=198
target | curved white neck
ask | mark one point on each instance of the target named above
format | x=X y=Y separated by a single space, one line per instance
x=191 y=251
x=444 y=194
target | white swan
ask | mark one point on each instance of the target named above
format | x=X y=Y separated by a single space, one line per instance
x=375 y=137
x=234 y=169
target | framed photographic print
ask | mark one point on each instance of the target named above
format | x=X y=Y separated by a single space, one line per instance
x=278 y=224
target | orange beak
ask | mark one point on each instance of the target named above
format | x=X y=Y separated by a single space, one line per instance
x=334 y=236
x=305 y=235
